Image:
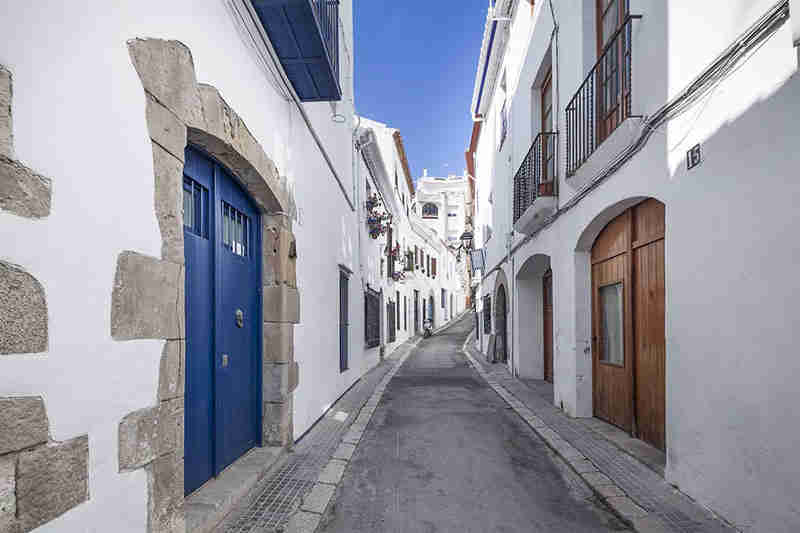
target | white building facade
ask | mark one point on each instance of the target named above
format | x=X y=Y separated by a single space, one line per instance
x=182 y=251
x=635 y=168
x=409 y=272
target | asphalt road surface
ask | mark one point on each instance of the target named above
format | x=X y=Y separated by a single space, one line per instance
x=442 y=453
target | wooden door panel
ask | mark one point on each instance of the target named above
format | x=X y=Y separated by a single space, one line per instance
x=547 y=323
x=613 y=240
x=630 y=250
x=648 y=222
x=612 y=390
x=650 y=342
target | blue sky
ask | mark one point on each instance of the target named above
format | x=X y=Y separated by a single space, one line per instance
x=415 y=67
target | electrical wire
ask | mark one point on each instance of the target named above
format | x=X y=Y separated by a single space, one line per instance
x=723 y=66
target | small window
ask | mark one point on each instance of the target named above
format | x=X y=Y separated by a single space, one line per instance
x=235 y=230
x=195 y=208
x=611 y=314
x=453 y=214
x=430 y=211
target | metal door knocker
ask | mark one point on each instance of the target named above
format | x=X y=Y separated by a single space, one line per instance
x=239 y=318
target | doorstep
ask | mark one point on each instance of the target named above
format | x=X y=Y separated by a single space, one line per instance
x=210 y=504
x=645 y=453
x=648 y=455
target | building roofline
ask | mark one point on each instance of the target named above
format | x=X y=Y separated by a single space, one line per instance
x=401 y=149
x=488 y=59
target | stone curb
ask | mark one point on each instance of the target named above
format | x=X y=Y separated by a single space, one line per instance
x=308 y=518
x=602 y=485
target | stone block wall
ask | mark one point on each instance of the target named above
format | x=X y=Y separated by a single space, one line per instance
x=39 y=479
x=148 y=300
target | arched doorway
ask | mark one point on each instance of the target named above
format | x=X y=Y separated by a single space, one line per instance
x=501 y=346
x=533 y=338
x=628 y=322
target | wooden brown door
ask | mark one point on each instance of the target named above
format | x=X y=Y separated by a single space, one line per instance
x=649 y=333
x=628 y=330
x=547 y=319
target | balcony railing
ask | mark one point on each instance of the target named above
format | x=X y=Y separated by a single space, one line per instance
x=537 y=173
x=603 y=101
x=305 y=36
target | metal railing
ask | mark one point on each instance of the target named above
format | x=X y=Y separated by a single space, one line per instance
x=603 y=101
x=536 y=175
x=327 y=12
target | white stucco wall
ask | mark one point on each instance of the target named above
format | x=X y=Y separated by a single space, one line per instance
x=79 y=118
x=729 y=275
x=409 y=231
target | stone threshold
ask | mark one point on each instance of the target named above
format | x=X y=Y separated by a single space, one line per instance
x=207 y=506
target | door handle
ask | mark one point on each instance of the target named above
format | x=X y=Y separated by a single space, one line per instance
x=224 y=360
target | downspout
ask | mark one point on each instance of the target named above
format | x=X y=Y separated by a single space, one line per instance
x=357 y=196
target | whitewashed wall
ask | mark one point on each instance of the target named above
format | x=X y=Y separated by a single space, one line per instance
x=79 y=118
x=730 y=278
x=408 y=234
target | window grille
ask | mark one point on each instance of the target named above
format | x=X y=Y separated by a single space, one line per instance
x=487 y=314
x=235 y=230
x=390 y=322
x=344 y=320
x=372 y=318
x=430 y=211
x=195 y=208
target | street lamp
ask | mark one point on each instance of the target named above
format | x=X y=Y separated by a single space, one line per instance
x=466 y=240
x=466 y=244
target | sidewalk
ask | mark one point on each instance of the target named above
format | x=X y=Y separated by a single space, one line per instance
x=271 y=504
x=632 y=490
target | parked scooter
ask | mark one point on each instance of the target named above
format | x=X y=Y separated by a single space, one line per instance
x=427 y=328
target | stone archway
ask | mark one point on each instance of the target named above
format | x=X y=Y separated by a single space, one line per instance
x=148 y=293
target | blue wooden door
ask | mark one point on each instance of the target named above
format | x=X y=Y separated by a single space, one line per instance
x=237 y=320
x=198 y=239
x=221 y=243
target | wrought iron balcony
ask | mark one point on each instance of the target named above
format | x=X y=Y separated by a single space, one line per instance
x=305 y=35
x=603 y=101
x=537 y=173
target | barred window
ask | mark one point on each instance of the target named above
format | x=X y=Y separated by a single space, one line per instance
x=430 y=211
x=372 y=318
x=487 y=314
x=390 y=322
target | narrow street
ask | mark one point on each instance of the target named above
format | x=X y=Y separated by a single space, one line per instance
x=444 y=453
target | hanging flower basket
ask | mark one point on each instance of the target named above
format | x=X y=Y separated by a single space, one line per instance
x=378 y=221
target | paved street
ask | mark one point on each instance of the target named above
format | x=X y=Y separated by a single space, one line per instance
x=444 y=453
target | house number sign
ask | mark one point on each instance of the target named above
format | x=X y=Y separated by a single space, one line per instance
x=693 y=157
